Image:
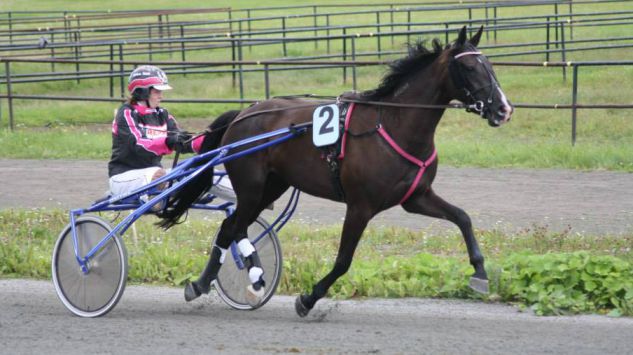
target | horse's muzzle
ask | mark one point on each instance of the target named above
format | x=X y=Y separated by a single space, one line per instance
x=502 y=115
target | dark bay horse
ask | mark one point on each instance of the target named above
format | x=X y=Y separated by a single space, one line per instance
x=389 y=158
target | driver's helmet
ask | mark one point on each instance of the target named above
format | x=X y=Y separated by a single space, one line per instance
x=145 y=77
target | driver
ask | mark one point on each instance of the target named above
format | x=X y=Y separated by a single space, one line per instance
x=142 y=132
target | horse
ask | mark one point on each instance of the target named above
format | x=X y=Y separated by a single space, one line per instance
x=387 y=158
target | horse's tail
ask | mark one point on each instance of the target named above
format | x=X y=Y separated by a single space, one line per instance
x=182 y=199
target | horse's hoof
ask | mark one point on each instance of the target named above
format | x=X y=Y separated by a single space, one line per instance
x=191 y=292
x=479 y=285
x=254 y=297
x=301 y=309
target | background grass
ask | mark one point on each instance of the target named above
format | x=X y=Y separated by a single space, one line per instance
x=555 y=273
x=535 y=137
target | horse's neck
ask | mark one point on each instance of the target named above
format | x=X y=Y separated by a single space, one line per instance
x=414 y=128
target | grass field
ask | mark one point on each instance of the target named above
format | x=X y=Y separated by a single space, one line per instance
x=554 y=273
x=534 y=138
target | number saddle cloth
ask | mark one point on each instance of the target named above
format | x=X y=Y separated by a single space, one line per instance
x=334 y=153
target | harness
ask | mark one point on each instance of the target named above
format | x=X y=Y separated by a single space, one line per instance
x=334 y=153
x=383 y=133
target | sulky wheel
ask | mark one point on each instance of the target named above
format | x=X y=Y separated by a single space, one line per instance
x=95 y=292
x=232 y=282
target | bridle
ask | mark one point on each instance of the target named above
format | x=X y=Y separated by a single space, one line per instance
x=459 y=79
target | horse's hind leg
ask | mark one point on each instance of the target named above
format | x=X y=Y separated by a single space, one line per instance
x=194 y=289
x=234 y=228
x=353 y=227
x=429 y=204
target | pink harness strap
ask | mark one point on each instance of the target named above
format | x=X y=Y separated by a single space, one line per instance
x=348 y=118
x=422 y=164
x=411 y=158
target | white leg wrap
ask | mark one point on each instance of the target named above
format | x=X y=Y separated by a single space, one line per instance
x=223 y=255
x=255 y=273
x=246 y=248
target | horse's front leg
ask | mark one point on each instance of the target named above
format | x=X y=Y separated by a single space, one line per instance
x=429 y=204
x=353 y=227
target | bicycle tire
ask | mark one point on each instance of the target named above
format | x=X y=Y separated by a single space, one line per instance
x=232 y=282
x=96 y=292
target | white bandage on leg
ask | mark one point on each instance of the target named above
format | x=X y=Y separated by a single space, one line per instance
x=255 y=273
x=223 y=253
x=246 y=248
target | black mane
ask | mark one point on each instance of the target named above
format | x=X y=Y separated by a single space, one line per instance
x=401 y=69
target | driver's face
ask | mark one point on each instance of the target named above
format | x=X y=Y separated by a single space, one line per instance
x=155 y=97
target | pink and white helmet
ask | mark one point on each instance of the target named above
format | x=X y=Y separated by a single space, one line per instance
x=145 y=77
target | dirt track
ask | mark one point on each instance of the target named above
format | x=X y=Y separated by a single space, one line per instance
x=510 y=199
x=151 y=320
x=155 y=319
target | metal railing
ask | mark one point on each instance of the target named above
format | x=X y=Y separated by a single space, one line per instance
x=265 y=66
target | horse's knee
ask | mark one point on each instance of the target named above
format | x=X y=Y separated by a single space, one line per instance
x=462 y=219
x=225 y=235
x=341 y=267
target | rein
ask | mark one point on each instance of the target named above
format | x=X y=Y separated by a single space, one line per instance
x=456 y=74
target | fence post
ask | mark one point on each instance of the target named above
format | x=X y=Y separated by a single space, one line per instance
x=111 y=70
x=283 y=27
x=233 y=56
x=563 y=51
x=495 y=23
x=10 y=28
x=408 y=26
x=487 y=24
x=327 y=24
x=240 y=58
x=574 y=101
x=266 y=82
x=230 y=20
x=160 y=30
x=77 y=55
x=182 y=47
x=66 y=27
x=344 y=55
x=392 y=26
x=122 y=76
x=52 y=51
x=571 y=20
x=316 y=23
x=9 y=95
x=149 y=33
x=168 y=30
x=378 y=34
x=445 y=33
x=470 y=22
x=248 y=28
x=547 y=39
x=354 y=65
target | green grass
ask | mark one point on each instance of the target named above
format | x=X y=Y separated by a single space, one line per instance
x=528 y=267
x=534 y=138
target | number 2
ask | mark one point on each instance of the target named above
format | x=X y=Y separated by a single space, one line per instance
x=329 y=113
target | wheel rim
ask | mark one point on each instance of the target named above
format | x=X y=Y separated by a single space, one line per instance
x=95 y=293
x=232 y=282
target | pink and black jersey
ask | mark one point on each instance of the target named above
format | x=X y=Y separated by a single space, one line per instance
x=138 y=138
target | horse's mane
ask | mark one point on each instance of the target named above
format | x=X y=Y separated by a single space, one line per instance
x=400 y=70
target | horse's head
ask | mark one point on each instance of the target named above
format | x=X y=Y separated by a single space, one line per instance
x=474 y=81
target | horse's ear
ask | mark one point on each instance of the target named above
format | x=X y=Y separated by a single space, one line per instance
x=461 y=38
x=474 y=40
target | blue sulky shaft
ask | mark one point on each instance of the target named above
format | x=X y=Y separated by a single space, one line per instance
x=185 y=173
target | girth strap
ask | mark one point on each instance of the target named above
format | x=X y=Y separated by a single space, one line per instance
x=422 y=164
